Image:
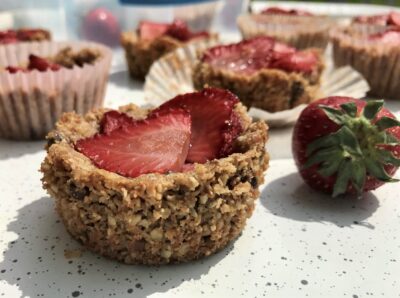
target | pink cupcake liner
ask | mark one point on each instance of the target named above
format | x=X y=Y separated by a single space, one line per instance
x=30 y=103
x=379 y=63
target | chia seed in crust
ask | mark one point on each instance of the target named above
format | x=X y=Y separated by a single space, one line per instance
x=155 y=218
x=272 y=90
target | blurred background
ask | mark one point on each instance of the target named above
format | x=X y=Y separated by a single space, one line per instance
x=103 y=20
x=383 y=2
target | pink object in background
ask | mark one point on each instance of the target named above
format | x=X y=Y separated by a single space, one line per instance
x=102 y=26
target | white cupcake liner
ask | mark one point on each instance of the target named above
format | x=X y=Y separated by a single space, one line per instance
x=299 y=31
x=31 y=102
x=172 y=75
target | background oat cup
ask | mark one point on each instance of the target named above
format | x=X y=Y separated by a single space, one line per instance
x=31 y=102
x=377 y=61
x=301 y=32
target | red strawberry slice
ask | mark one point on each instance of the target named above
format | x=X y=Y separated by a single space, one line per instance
x=14 y=69
x=214 y=126
x=394 y=19
x=151 y=30
x=300 y=62
x=180 y=30
x=41 y=64
x=282 y=11
x=283 y=49
x=249 y=56
x=230 y=132
x=156 y=145
x=246 y=57
x=391 y=36
x=113 y=120
x=9 y=36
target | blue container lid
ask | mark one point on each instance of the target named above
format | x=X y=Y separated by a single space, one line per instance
x=163 y=2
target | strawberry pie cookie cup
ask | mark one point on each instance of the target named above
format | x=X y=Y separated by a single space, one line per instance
x=300 y=29
x=160 y=85
x=153 y=40
x=374 y=51
x=40 y=81
x=167 y=204
x=262 y=72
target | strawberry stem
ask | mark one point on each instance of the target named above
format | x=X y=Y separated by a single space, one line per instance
x=359 y=148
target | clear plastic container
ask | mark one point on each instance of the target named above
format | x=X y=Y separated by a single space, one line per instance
x=103 y=20
x=199 y=14
x=49 y=14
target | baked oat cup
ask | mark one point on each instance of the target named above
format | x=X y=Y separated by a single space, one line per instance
x=173 y=74
x=141 y=52
x=272 y=87
x=154 y=218
x=374 y=52
x=301 y=32
x=31 y=101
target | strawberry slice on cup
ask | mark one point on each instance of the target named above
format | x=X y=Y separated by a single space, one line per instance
x=131 y=148
x=215 y=125
x=343 y=145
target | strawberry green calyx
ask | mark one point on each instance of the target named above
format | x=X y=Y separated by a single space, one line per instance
x=357 y=150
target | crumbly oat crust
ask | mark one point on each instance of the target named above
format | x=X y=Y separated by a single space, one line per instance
x=140 y=54
x=269 y=89
x=67 y=57
x=38 y=35
x=153 y=219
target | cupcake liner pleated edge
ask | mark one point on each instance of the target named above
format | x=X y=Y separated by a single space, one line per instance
x=31 y=103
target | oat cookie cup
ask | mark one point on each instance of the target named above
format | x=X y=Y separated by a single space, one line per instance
x=389 y=19
x=154 y=218
x=374 y=52
x=299 y=29
x=41 y=80
x=153 y=40
x=263 y=73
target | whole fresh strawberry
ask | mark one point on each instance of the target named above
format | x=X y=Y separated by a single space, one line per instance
x=343 y=145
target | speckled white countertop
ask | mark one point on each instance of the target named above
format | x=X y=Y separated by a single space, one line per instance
x=297 y=244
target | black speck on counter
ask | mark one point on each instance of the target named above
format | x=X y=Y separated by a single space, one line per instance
x=75 y=293
x=355 y=296
x=138 y=285
x=304 y=282
x=130 y=291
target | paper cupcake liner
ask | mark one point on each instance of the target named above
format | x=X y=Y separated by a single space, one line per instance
x=301 y=32
x=377 y=62
x=30 y=103
x=172 y=75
